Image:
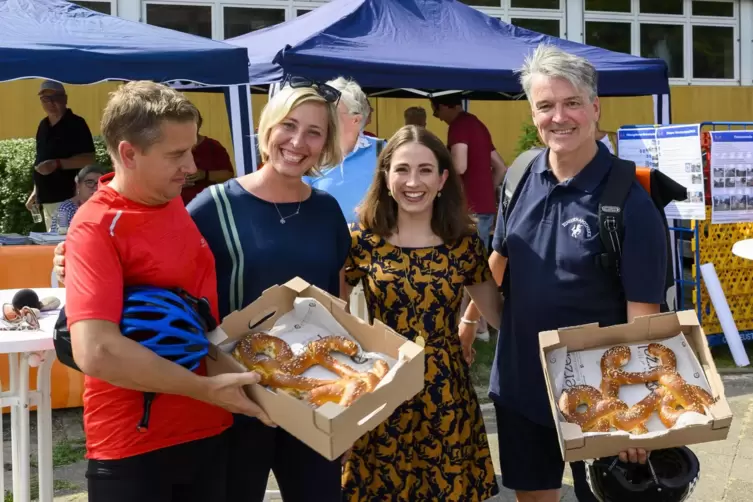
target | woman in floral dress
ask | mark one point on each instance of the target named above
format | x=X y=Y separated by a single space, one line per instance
x=415 y=252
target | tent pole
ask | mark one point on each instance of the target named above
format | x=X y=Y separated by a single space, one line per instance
x=251 y=130
x=236 y=129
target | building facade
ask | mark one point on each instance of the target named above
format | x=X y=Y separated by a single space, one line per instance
x=705 y=42
x=708 y=46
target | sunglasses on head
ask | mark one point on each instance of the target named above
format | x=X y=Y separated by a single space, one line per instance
x=329 y=93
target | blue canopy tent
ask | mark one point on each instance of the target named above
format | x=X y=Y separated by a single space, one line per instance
x=409 y=47
x=61 y=41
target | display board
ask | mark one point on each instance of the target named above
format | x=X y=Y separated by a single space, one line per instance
x=676 y=151
x=731 y=176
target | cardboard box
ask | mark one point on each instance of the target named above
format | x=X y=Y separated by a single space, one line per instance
x=574 y=445
x=329 y=429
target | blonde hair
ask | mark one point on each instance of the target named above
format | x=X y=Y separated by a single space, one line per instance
x=136 y=111
x=280 y=106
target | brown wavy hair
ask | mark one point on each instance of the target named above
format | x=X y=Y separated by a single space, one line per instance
x=450 y=219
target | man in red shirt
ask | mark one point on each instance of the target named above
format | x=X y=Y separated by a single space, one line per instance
x=479 y=165
x=212 y=166
x=135 y=230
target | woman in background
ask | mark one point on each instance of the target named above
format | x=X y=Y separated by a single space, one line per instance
x=86 y=184
x=416 y=250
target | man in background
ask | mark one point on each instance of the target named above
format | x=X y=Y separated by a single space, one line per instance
x=349 y=181
x=415 y=115
x=479 y=165
x=64 y=146
x=212 y=165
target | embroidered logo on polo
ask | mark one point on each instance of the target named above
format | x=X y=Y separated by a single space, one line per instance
x=578 y=228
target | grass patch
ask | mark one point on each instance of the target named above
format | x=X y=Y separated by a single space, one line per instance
x=482 y=365
x=67 y=452
x=723 y=357
x=64 y=485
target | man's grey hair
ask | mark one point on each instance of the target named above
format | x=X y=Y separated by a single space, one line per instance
x=551 y=61
x=353 y=97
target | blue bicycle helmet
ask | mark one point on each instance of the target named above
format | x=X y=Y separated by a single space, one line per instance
x=166 y=321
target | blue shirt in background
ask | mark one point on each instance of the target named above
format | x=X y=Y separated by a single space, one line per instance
x=349 y=181
x=553 y=280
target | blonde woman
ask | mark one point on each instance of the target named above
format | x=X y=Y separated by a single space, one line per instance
x=266 y=228
x=416 y=250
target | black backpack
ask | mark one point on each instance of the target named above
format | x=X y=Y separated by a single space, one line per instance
x=661 y=188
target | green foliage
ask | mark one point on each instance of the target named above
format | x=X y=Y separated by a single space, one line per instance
x=67 y=452
x=529 y=138
x=16 y=167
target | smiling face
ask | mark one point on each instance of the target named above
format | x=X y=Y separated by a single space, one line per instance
x=296 y=143
x=414 y=178
x=563 y=114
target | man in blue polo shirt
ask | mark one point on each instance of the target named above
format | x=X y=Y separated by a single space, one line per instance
x=349 y=181
x=544 y=256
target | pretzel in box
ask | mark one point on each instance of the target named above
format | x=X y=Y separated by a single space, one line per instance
x=665 y=393
x=302 y=356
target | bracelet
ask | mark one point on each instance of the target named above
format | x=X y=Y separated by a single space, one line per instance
x=467 y=321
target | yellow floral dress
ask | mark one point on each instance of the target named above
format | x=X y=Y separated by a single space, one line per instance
x=433 y=447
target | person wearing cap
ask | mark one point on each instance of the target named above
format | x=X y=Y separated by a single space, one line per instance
x=64 y=146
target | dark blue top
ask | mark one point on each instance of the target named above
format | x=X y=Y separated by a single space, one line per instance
x=553 y=280
x=254 y=251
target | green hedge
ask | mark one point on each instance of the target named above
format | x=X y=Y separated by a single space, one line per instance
x=529 y=138
x=16 y=165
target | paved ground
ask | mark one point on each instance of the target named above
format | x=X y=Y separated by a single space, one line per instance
x=726 y=466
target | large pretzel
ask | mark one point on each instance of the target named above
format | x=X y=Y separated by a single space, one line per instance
x=598 y=410
x=279 y=368
x=670 y=399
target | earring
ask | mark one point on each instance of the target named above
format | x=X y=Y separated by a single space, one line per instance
x=439 y=194
x=389 y=192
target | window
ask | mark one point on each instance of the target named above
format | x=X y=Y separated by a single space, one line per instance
x=193 y=19
x=608 y=35
x=543 y=26
x=103 y=7
x=535 y=4
x=300 y=12
x=662 y=6
x=664 y=41
x=713 y=52
x=608 y=5
x=721 y=9
x=698 y=39
x=483 y=3
x=241 y=20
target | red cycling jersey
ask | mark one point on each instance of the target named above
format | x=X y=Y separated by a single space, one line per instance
x=113 y=243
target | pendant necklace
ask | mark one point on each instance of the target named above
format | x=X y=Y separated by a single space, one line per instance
x=283 y=218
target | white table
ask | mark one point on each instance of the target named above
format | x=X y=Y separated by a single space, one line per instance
x=27 y=349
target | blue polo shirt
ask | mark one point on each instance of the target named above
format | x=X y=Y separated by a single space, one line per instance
x=553 y=280
x=349 y=181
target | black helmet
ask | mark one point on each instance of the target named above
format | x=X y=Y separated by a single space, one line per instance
x=670 y=475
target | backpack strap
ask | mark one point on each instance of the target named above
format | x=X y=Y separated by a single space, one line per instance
x=517 y=172
x=611 y=226
x=380 y=144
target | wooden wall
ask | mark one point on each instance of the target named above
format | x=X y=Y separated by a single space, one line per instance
x=20 y=111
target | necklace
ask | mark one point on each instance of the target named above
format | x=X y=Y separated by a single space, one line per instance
x=283 y=218
x=421 y=337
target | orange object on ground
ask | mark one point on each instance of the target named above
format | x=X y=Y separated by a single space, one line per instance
x=31 y=267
